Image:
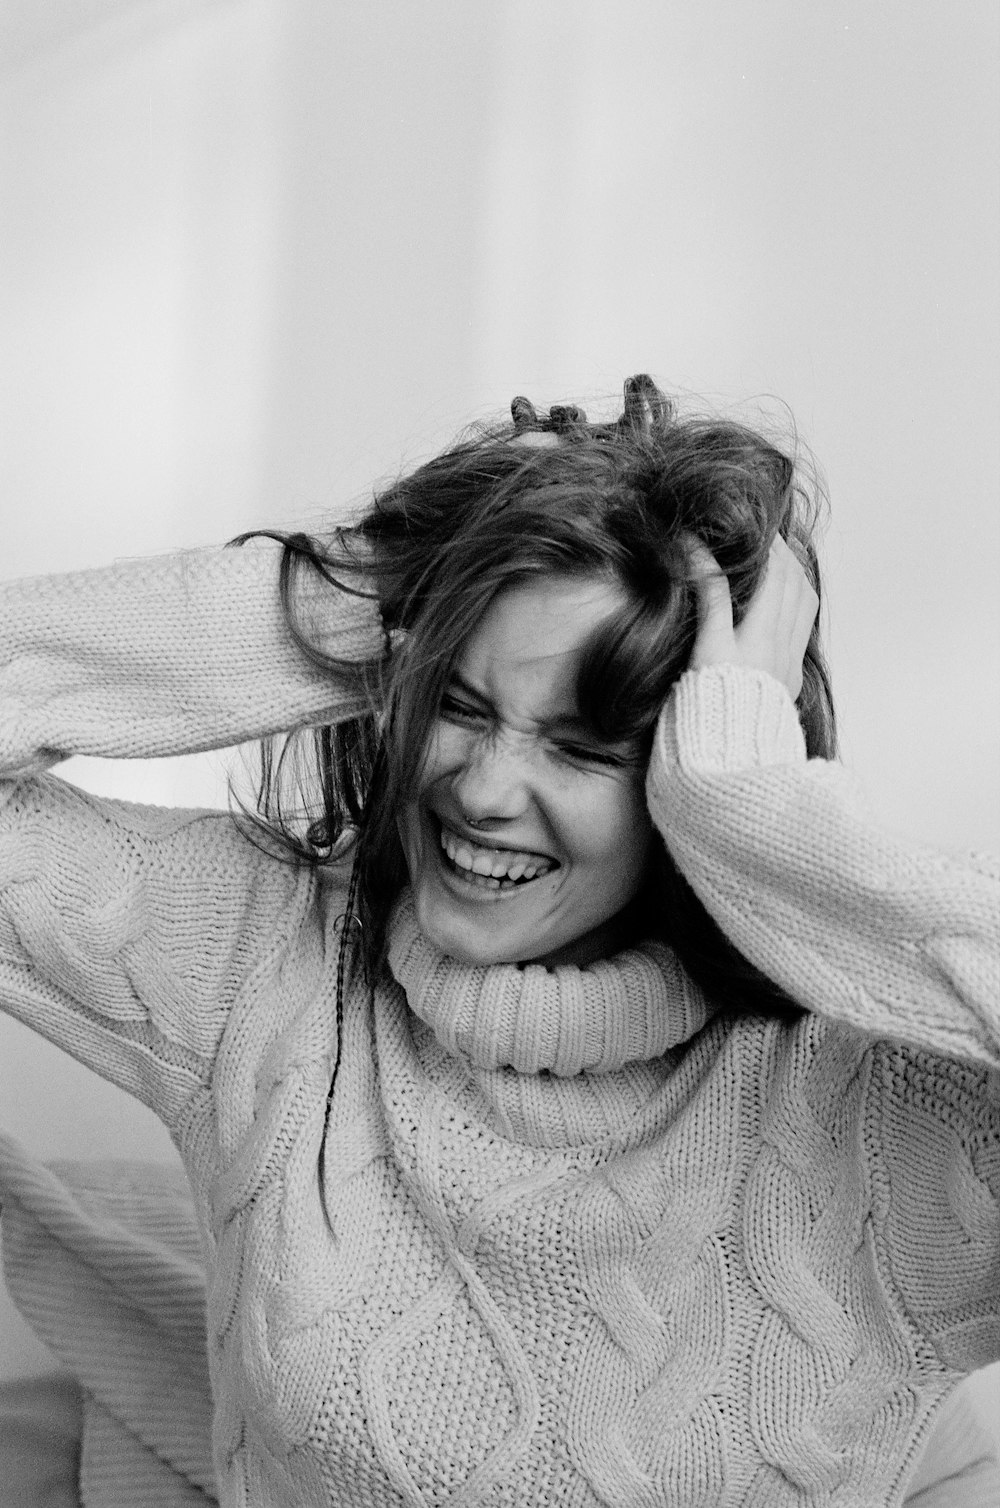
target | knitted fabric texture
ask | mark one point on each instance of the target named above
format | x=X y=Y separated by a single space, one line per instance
x=100 y=1261
x=589 y=1243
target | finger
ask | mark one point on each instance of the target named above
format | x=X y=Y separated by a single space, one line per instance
x=764 y=610
x=774 y=631
x=784 y=593
x=797 y=610
x=800 y=601
x=714 y=643
x=791 y=564
x=715 y=603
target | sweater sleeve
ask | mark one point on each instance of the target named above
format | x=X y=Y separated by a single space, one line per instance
x=126 y=932
x=168 y=655
x=898 y=941
x=885 y=938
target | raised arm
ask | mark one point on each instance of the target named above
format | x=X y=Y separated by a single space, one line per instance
x=899 y=941
x=167 y=655
x=127 y=932
x=889 y=939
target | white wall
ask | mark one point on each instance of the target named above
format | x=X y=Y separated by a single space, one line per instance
x=257 y=252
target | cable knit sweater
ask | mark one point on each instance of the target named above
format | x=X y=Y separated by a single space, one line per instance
x=592 y=1242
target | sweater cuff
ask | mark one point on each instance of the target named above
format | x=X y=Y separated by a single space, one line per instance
x=729 y=717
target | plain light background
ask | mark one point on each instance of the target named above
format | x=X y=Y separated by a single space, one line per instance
x=256 y=254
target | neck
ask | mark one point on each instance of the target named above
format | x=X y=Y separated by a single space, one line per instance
x=567 y=1019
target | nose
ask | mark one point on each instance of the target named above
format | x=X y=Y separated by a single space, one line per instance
x=492 y=783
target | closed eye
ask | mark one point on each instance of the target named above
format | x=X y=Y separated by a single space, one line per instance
x=459 y=711
x=611 y=758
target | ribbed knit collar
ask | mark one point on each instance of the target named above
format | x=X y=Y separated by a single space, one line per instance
x=565 y=1021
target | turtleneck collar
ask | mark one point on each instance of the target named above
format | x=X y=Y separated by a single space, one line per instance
x=564 y=1021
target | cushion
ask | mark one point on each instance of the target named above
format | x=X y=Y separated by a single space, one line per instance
x=41 y=1420
x=104 y=1261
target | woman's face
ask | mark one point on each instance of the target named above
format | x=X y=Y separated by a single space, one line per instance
x=526 y=837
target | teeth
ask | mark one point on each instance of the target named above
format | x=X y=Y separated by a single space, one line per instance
x=491 y=865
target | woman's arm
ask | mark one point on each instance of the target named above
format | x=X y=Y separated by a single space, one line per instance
x=168 y=655
x=126 y=932
x=891 y=940
x=897 y=940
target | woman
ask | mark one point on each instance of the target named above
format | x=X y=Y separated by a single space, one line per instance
x=600 y=1109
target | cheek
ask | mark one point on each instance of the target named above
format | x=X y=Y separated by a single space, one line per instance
x=443 y=754
x=431 y=767
x=613 y=831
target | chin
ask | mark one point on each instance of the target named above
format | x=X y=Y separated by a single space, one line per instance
x=482 y=944
x=461 y=939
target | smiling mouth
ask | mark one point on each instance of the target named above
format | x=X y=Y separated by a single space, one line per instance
x=491 y=868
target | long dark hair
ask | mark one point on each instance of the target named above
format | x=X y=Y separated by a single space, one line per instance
x=505 y=503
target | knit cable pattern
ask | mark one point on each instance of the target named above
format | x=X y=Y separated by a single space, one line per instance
x=554 y=1275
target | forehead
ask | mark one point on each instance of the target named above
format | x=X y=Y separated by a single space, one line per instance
x=530 y=641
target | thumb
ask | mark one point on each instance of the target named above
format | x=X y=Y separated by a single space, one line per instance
x=714 y=639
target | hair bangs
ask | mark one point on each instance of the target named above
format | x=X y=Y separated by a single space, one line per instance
x=630 y=664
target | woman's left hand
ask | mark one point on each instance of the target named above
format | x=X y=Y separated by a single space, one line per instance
x=775 y=629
